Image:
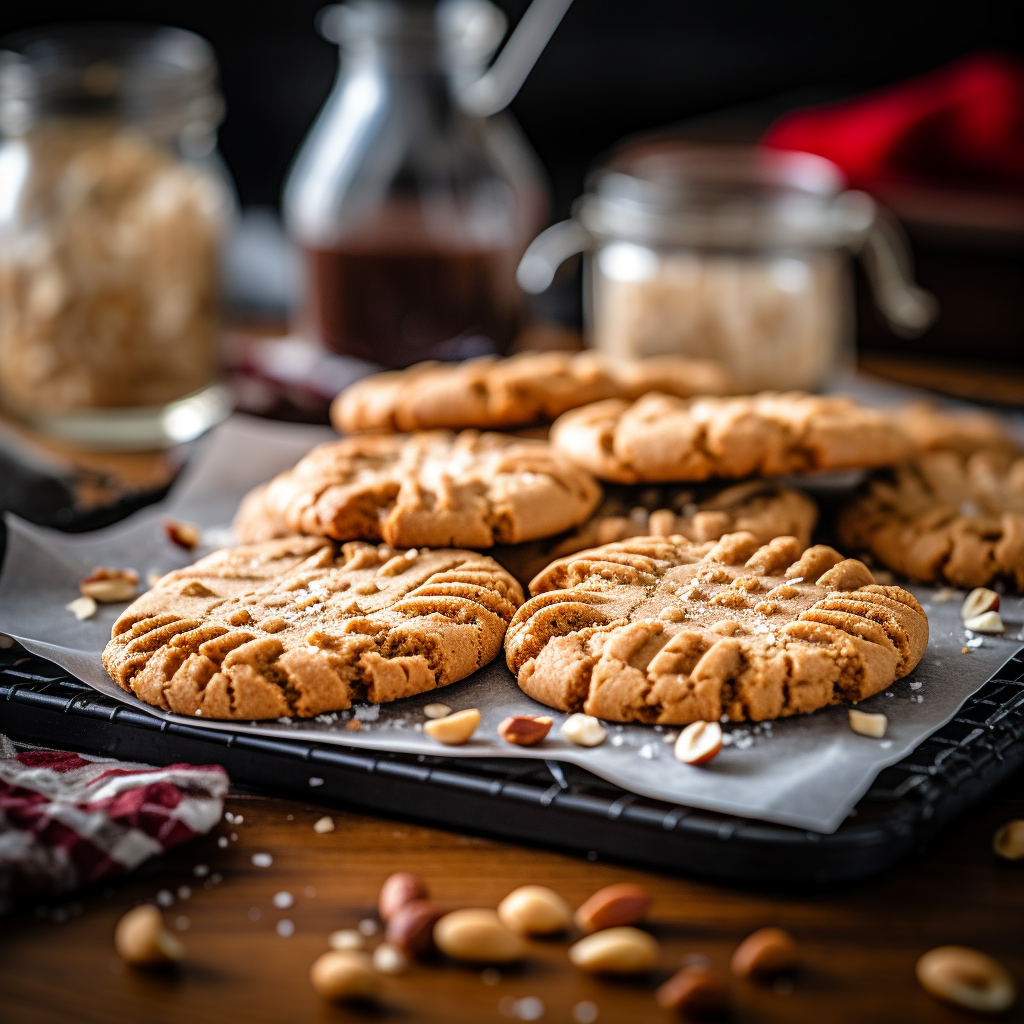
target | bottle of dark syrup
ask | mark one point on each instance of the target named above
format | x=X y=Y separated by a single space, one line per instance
x=412 y=213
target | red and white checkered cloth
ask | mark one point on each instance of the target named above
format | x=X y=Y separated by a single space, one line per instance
x=68 y=820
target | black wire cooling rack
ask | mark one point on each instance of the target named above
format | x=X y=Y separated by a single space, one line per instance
x=549 y=803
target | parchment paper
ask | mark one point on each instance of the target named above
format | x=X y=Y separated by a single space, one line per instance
x=807 y=771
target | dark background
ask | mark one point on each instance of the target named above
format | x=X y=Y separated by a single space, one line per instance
x=614 y=66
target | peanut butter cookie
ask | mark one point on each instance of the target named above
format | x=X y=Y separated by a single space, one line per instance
x=303 y=625
x=529 y=388
x=663 y=438
x=934 y=428
x=663 y=630
x=433 y=489
x=945 y=517
x=765 y=509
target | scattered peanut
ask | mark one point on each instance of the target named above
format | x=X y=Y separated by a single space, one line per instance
x=184 y=535
x=82 y=608
x=525 y=730
x=411 y=927
x=979 y=601
x=865 y=724
x=346 y=938
x=695 y=992
x=141 y=939
x=398 y=889
x=453 y=730
x=1008 y=842
x=323 y=825
x=343 y=975
x=110 y=586
x=388 y=959
x=764 y=953
x=437 y=710
x=699 y=742
x=535 y=910
x=619 y=904
x=584 y=730
x=987 y=622
x=966 y=978
x=615 y=951
x=477 y=936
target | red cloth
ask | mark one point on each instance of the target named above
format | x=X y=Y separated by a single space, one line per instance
x=67 y=820
x=962 y=125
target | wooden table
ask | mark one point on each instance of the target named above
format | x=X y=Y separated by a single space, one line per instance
x=858 y=944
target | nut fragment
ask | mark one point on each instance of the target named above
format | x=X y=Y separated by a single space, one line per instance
x=110 y=586
x=525 y=730
x=411 y=928
x=436 y=710
x=699 y=742
x=344 y=974
x=615 y=951
x=82 y=608
x=619 y=904
x=454 y=730
x=988 y=622
x=477 y=936
x=695 y=992
x=967 y=978
x=584 y=730
x=764 y=953
x=535 y=910
x=866 y=724
x=323 y=825
x=141 y=939
x=346 y=938
x=1008 y=842
x=398 y=889
x=979 y=601
x=388 y=959
x=184 y=535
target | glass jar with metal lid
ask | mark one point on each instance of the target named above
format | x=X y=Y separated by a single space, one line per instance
x=732 y=253
x=112 y=205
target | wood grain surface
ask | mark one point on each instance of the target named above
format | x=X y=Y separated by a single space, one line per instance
x=858 y=944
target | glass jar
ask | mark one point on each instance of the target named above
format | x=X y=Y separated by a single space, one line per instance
x=411 y=212
x=112 y=207
x=731 y=253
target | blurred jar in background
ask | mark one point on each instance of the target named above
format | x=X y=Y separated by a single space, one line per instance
x=112 y=208
x=411 y=213
x=729 y=253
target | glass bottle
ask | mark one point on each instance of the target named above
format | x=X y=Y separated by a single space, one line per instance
x=412 y=213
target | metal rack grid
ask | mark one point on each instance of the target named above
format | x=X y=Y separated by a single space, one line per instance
x=550 y=803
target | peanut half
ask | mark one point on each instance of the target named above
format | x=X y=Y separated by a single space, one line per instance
x=453 y=730
x=615 y=951
x=141 y=939
x=967 y=978
x=987 y=622
x=584 y=730
x=110 y=586
x=763 y=953
x=183 y=535
x=343 y=975
x=979 y=601
x=398 y=889
x=865 y=724
x=411 y=927
x=525 y=730
x=1008 y=842
x=698 y=743
x=477 y=936
x=623 y=903
x=695 y=992
x=535 y=910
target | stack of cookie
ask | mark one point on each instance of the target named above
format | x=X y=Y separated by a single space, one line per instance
x=394 y=560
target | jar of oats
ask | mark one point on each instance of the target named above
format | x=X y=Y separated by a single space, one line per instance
x=731 y=253
x=112 y=207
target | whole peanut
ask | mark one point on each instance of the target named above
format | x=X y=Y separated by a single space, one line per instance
x=411 y=927
x=141 y=939
x=615 y=951
x=535 y=910
x=614 y=905
x=967 y=978
x=398 y=889
x=695 y=992
x=477 y=936
x=763 y=953
x=344 y=975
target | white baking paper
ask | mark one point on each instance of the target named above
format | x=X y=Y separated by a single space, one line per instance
x=807 y=771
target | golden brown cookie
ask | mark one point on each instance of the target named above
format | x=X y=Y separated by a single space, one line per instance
x=303 y=625
x=934 y=428
x=662 y=630
x=532 y=387
x=945 y=517
x=433 y=489
x=763 y=508
x=663 y=438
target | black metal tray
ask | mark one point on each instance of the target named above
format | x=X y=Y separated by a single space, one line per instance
x=549 y=803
